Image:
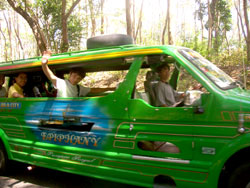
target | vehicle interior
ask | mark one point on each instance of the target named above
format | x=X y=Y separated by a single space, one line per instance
x=110 y=73
x=180 y=80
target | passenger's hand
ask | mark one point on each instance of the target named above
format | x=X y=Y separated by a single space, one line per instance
x=46 y=56
x=183 y=95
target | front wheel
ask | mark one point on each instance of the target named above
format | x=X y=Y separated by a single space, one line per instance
x=240 y=177
x=3 y=160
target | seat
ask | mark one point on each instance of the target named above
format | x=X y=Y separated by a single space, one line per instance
x=152 y=79
x=142 y=95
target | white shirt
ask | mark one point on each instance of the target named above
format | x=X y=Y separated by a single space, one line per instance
x=66 y=89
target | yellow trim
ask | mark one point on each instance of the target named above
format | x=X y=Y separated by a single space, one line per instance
x=153 y=167
x=138 y=123
x=115 y=146
x=101 y=56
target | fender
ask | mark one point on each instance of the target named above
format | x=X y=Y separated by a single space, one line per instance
x=240 y=143
x=3 y=138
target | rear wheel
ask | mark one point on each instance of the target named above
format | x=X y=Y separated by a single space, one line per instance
x=240 y=177
x=3 y=160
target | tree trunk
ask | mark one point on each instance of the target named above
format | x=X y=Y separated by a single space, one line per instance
x=102 y=17
x=5 y=45
x=228 y=45
x=8 y=24
x=210 y=25
x=65 y=16
x=247 y=28
x=216 y=24
x=139 y=21
x=170 y=40
x=201 y=21
x=202 y=31
x=239 y=32
x=128 y=18
x=167 y=26
x=133 y=20
x=16 y=29
x=238 y=9
x=65 y=43
x=29 y=16
x=92 y=17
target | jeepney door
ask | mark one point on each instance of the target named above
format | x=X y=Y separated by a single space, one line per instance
x=160 y=131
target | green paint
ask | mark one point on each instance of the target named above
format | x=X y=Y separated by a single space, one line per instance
x=110 y=150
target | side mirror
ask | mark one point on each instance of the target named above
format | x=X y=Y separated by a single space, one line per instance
x=193 y=98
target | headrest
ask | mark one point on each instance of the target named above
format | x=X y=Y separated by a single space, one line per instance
x=152 y=76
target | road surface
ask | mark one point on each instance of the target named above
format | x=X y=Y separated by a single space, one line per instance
x=21 y=177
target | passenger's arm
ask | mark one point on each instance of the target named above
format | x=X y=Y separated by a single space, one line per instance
x=50 y=75
x=17 y=95
x=101 y=90
x=12 y=93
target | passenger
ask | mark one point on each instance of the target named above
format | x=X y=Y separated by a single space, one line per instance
x=70 y=87
x=166 y=96
x=3 y=92
x=16 y=90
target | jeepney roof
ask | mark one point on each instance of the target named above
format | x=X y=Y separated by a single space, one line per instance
x=103 y=59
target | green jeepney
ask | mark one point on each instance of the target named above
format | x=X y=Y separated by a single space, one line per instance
x=122 y=136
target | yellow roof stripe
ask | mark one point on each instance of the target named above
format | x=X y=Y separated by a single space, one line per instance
x=103 y=56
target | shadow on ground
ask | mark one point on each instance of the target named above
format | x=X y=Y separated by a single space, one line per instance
x=20 y=177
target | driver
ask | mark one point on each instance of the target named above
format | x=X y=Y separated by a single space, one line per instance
x=166 y=96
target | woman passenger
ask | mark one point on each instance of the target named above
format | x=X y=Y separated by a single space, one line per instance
x=16 y=90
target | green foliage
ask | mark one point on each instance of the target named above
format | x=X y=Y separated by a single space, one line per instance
x=50 y=18
x=191 y=41
x=3 y=5
x=222 y=18
x=201 y=12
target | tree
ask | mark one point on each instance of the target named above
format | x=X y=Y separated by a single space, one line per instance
x=222 y=17
x=92 y=16
x=65 y=16
x=40 y=14
x=24 y=9
x=5 y=44
x=247 y=33
x=128 y=18
x=210 y=28
x=139 y=24
x=201 y=13
x=239 y=21
x=167 y=26
x=219 y=23
x=9 y=29
x=102 y=16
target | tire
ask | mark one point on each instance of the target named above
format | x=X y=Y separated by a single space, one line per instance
x=240 y=177
x=3 y=161
x=108 y=41
x=164 y=182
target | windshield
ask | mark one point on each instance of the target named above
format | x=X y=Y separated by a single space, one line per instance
x=215 y=74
